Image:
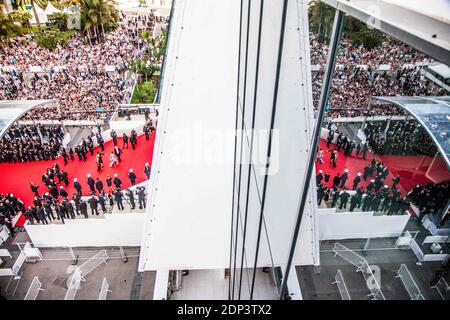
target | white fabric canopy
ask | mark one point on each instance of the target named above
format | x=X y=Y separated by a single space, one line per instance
x=51 y=9
x=41 y=14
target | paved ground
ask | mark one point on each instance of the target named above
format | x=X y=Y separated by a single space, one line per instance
x=124 y=281
x=316 y=283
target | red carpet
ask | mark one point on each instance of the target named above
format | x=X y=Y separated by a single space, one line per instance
x=17 y=176
x=412 y=169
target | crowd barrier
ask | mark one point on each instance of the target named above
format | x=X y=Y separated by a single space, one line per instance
x=74 y=285
x=363 y=267
x=34 y=289
x=443 y=289
x=409 y=283
x=92 y=263
x=104 y=290
x=342 y=287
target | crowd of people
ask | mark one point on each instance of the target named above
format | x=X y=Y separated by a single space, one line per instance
x=399 y=138
x=431 y=198
x=57 y=204
x=358 y=77
x=376 y=196
x=31 y=143
x=74 y=74
x=389 y=51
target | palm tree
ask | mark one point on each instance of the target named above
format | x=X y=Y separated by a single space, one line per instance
x=4 y=6
x=321 y=19
x=21 y=3
x=96 y=14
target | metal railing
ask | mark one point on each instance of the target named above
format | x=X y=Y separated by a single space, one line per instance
x=74 y=285
x=409 y=283
x=442 y=288
x=104 y=290
x=34 y=289
x=92 y=263
x=348 y=255
x=371 y=281
x=342 y=287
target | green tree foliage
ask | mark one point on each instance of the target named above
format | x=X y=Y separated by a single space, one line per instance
x=144 y=92
x=51 y=39
x=58 y=21
x=21 y=16
x=321 y=18
x=8 y=28
x=361 y=34
x=97 y=17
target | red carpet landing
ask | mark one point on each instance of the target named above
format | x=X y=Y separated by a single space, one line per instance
x=15 y=177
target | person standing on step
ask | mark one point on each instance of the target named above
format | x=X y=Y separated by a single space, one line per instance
x=77 y=186
x=114 y=137
x=108 y=181
x=64 y=178
x=93 y=203
x=326 y=177
x=335 y=197
x=64 y=155
x=102 y=201
x=344 y=178
x=320 y=193
x=344 y=198
x=147 y=170
x=319 y=177
x=83 y=208
x=118 y=199
x=101 y=142
x=146 y=130
x=63 y=193
x=130 y=196
x=117 y=182
x=99 y=185
x=69 y=208
x=71 y=154
x=140 y=191
x=364 y=150
x=336 y=181
x=132 y=177
x=125 y=140
x=356 y=181
x=91 y=182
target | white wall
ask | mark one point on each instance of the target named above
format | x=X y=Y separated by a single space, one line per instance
x=189 y=211
x=113 y=230
x=121 y=126
x=353 y=225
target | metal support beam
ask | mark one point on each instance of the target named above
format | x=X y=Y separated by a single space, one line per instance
x=329 y=70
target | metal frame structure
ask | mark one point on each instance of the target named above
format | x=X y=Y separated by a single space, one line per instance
x=434 y=103
x=15 y=104
x=406 y=23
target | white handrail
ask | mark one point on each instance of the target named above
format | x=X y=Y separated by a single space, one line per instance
x=104 y=290
x=73 y=286
x=342 y=287
x=409 y=283
x=34 y=289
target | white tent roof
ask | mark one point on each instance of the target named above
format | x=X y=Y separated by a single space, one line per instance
x=51 y=9
x=41 y=14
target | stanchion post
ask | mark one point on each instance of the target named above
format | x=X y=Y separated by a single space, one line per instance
x=74 y=257
x=122 y=254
